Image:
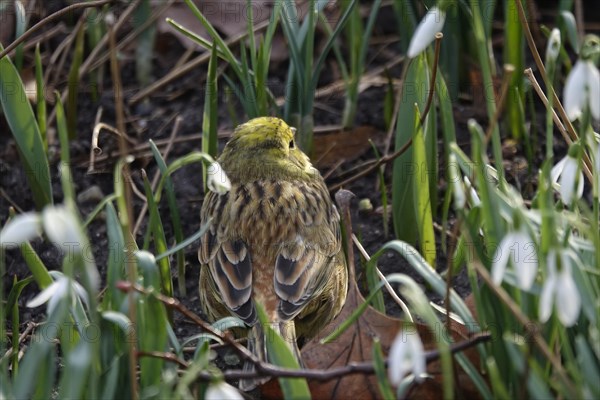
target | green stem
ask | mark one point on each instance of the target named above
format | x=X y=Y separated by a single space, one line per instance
x=488 y=86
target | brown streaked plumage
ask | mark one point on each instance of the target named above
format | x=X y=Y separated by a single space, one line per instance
x=274 y=239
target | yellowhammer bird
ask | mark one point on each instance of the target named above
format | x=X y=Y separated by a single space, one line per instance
x=274 y=240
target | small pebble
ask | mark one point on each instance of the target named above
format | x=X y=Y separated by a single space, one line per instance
x=365 y=205
x=231 y=358
x=91 y=194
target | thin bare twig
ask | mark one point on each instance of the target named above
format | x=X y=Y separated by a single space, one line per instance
x=45 y=36
x=95 y=134
x=536 y=86
x=438 y=45
x=386 y=283
x=85 y=66
x=363 y=368
x=10 y=200
x=556 y=101
x=63 y=51
x=373 y=167
x=175 y=304
x=49 y=19
x=561 y=128
x=22 y=337
x=189 y=66
x=265 y=369
x=164 y=356
x=134 y=34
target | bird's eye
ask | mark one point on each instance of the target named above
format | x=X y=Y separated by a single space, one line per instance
x=292 y=144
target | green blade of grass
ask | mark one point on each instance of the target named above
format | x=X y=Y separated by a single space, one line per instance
x=422 y=195
x=194 y=157
x=249 y=91
x=280 y=354
x=484 y=56
x=15 y=292
x=63 y=135
x=263 y=60
x=111 y=383
x=160 y=241
x=41 y=96
x=380 y=371
x=308 y=45
x=36 y=266
x=372 y=281
x=415 y=89
x=75 y=371
x=433 y=279
x=325 y=50
x=485 y=188
x=175 y=218
x=151 y=319
x=250 y=31
x=115 y=269
x=99 y=207
x=217 y=39
x=25 y=130
x=183 y=244
x=13 y=306
x=39 y=362
x=360 y=38
x=196 y=38
x=209 y=118
x=21 y=20
x=446 y=113
x=514 y=54
x=144 y=50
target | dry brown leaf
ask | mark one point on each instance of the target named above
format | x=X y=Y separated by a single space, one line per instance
x=180 y=13
x=355 y=345
x=229 y=17
x=332 y=147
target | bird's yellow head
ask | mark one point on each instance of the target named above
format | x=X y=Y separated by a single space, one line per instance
x=264 y=147
x=264 y=133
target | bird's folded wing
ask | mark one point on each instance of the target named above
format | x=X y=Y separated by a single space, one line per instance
x=303 y=267
x=229 y=262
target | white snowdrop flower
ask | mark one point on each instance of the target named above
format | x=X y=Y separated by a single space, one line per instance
x=218 y=181
x=517 y=249
x=473 y=197
x=553 y=48
x=222 y=391
x=20 y=229
x=406 y=356
x=560 y=290
x=62 y=228
x=432 y=23
x=58 y=290
x=565 y=174
x=582 y=89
